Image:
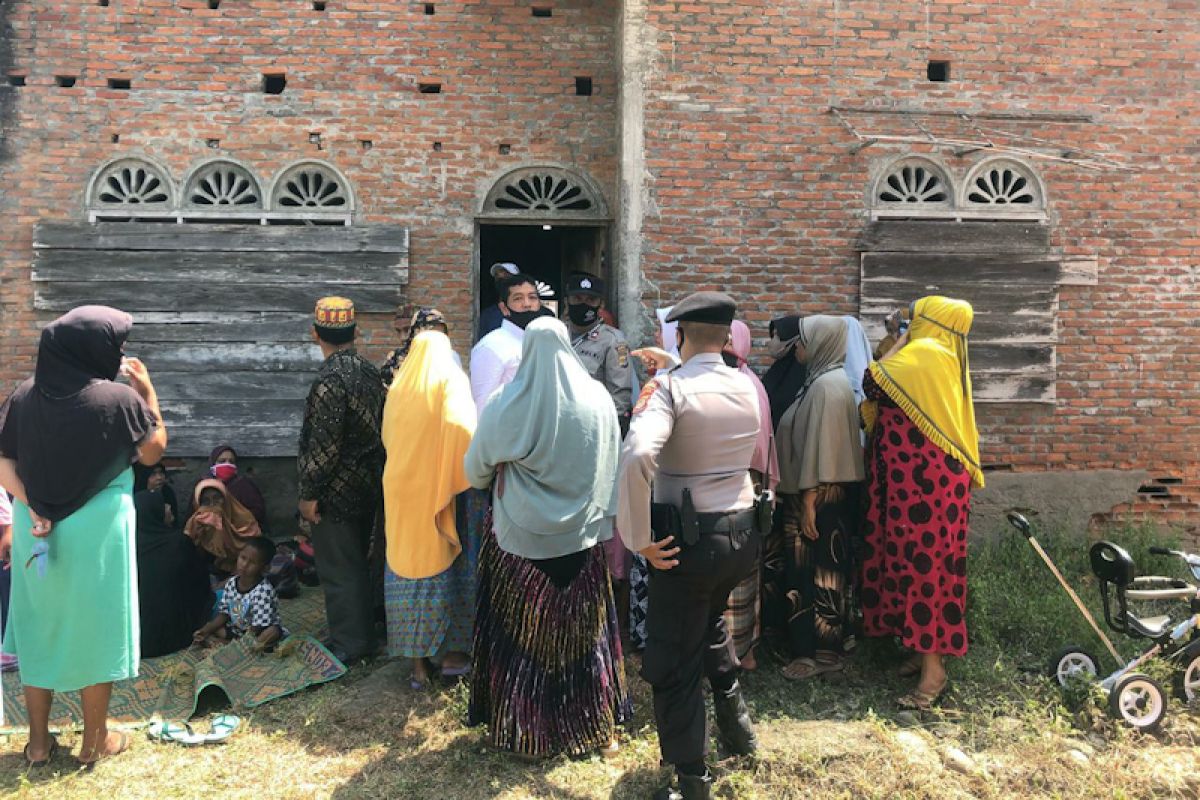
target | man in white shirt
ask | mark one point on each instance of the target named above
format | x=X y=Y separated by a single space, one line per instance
x=494 y=360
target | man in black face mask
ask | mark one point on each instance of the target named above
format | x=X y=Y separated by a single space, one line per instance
x=494 y=360
x=601 y=348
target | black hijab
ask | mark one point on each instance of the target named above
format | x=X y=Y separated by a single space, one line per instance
x=784 y=379
x=71 y=428
x=172 y=580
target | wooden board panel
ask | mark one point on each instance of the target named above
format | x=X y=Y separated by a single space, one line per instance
x=233 y=415
x=221 y=238
x=206 y=358
x=947 y=236
x=159 y=267
x=264 y=442
x=264 y=387
x=935 y=269
x=280 y=327
x=133 y=296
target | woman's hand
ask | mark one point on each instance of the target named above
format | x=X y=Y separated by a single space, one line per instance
x=897 y=347
x=308 y=511
x=41 y=525
x=660 y=553
x=139 y=377
x=654 y=358
x=808 y=515
x=6 y=544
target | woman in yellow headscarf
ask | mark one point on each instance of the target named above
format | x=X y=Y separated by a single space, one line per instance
x=923 y=461
x=432 y=526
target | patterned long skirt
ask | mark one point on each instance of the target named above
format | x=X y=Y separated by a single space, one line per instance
x=430 y=617
x=914 y=572
x=741 y=617
x=807 y=582
x=548 y=674
x=639 y=601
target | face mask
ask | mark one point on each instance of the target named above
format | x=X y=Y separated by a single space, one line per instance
x=224 y=472
x=730 y=359
x=582 y=314
x=777 y=349
x=522 y=318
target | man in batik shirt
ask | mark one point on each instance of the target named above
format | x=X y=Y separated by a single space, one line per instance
x=341 y=469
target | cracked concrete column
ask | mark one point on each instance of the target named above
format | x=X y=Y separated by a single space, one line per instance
x=635 y=52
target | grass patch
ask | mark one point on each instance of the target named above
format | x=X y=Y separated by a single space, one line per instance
x=370 y=736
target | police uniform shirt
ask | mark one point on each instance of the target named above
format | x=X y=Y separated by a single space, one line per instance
x=605 y=356
x=693 y=428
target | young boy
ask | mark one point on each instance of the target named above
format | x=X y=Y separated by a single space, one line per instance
x=249 y=603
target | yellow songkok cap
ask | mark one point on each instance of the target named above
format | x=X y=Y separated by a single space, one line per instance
x=334 y=312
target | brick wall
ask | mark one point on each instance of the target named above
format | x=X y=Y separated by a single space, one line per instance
x=754 y=187
x=352 y=73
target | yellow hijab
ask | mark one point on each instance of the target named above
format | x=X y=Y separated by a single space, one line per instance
x=428 y=422
x=930 y=380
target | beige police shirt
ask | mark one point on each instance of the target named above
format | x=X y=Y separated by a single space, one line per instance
x=693 y=428
x=605 y=355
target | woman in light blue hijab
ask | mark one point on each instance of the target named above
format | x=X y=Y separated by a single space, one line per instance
x=548 y=671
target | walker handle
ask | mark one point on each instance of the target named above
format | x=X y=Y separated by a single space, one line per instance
x=1019 y=522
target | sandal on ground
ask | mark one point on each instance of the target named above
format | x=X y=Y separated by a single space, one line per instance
x=802 y=669
x=223 y=726
x=125 y=741
x=610 y=750
x=911 y=667
x=917 y=700
x=456 y=672
x=41 y=762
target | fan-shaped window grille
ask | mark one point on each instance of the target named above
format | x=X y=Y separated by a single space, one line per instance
x=913 y=181
x=222 y=185
x=1003 y=182
x=311 y=187
x=131 y=182
x=544 y=192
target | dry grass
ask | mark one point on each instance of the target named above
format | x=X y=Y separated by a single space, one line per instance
x=370 y=736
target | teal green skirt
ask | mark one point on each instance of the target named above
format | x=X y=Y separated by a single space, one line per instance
x=77 y=624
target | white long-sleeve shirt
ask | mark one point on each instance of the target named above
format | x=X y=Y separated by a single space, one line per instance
x=494 y=362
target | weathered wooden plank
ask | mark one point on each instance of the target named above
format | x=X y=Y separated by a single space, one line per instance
x=255 y=328
x=1012 y=388
x=949 y=236
x=233 y=415
x=217 y=238
x=134 y=296
x=186 y=385
x=935 y=269
x=1028 y=327
x=262 y=442
x=160 y=267
x=205 y=357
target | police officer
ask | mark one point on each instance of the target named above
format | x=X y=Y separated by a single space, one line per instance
x=600 y=347
x=691 y=437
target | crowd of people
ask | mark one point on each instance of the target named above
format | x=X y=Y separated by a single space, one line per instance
x=524 y=527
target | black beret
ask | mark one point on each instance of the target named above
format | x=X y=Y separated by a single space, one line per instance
x=584 y=283
x=716 y=308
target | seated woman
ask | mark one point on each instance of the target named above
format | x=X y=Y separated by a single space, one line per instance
x=156 y=479
x=222 y=465
x=220 y=525
x=173 y=591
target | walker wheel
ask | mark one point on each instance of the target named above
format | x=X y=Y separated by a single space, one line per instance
x=1138 y=701
x=1187 y=678
x=1073 y=663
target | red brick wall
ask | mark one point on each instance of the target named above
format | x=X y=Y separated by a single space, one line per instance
x=755 y=187
x=352 y=74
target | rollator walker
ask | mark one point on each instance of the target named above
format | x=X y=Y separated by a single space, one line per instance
x=1133 y=697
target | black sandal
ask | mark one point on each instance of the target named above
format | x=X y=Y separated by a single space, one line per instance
x=50 y=753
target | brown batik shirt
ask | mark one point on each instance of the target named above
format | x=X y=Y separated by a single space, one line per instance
x=341 y=453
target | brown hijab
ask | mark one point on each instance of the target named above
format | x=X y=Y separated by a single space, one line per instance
x=220 y=531
x=71 y=428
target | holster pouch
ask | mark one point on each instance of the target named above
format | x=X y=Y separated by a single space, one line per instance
x=764 y=512
x=689 y=521
x=664 y=521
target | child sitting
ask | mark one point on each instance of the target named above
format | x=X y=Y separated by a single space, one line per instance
x=249 y=603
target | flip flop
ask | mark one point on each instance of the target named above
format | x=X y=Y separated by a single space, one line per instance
x=917 y=700
x=126 y=742
x=223 y=726
x=456 y=672
x=810 y=668
x=175 y=732
x=41 y=762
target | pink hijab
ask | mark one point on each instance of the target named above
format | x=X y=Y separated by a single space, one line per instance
x=764 y=459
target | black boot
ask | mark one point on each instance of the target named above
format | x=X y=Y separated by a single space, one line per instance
x=733 y=721
x=686 y=787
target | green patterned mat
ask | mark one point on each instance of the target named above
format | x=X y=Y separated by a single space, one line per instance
x=169 y=687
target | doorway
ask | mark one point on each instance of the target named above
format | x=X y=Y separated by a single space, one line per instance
x=546 y=252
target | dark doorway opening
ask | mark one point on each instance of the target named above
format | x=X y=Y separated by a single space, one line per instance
x=547 y=252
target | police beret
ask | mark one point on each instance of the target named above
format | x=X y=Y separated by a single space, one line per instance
x=717 y=308
x=584 y=283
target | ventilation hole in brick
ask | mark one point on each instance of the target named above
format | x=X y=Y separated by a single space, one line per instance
x=212 y=143
x=429 y=9
x=123 y=84
x=274 y=82
x=365 y=144
x=583 y=86
x=1154 y=490
x=318 y=5
x=543 y=11
x=938 y=71
x=16 y=80
x=64 y=81
x=429 y=88
x=103 y=3
x=214 y=4
x=437 y=147
x=1169 y=481
x=115 y=138
x=505 y=149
